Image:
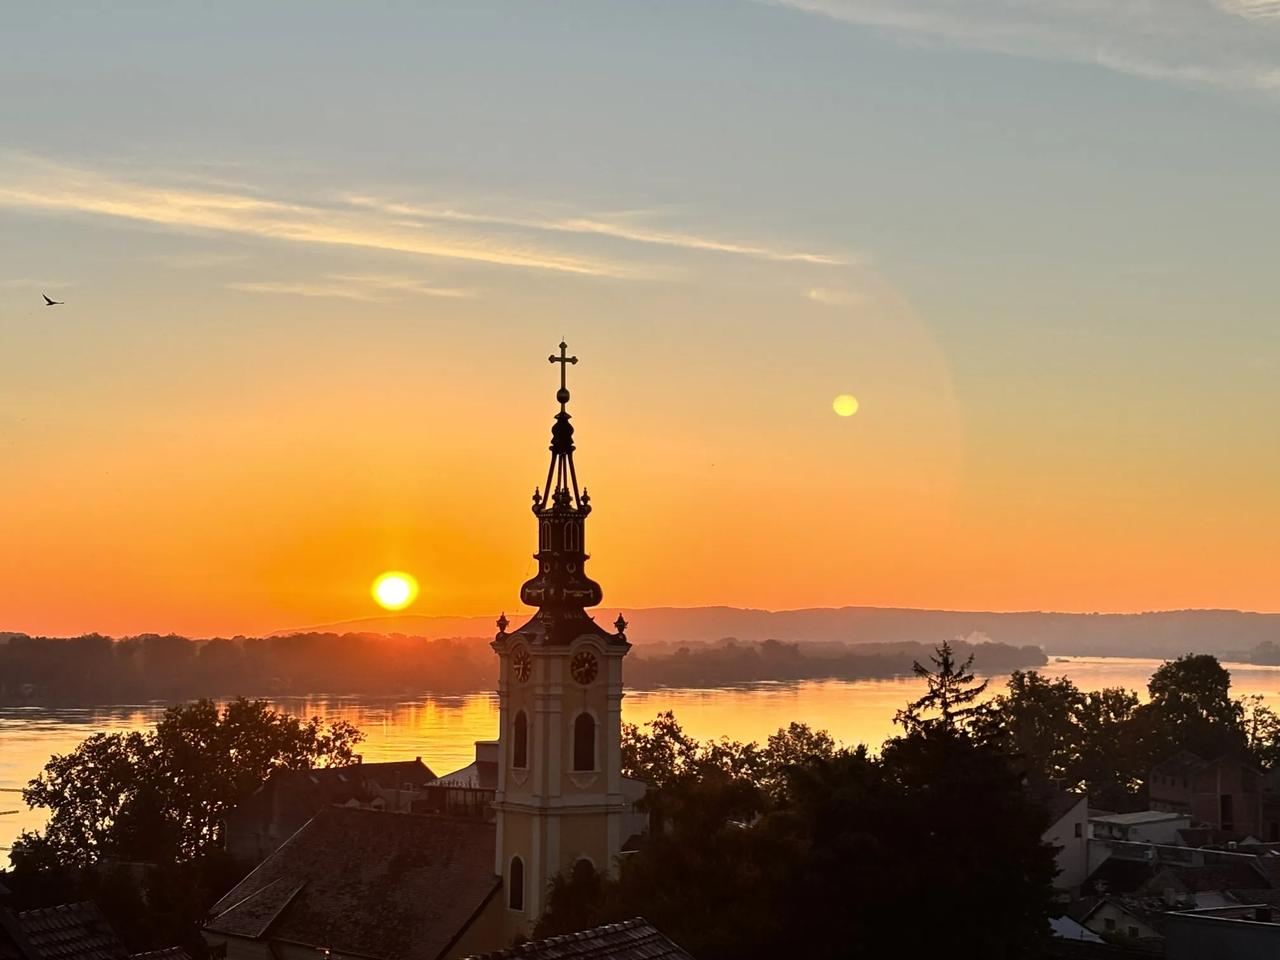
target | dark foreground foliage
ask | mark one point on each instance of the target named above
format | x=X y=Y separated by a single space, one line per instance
x=136 y=818
x=802 y=848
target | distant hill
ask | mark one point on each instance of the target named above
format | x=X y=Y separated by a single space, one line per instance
x=1158 y=634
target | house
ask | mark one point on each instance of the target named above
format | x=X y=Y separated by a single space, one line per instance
x=468 y=792
x=633 y=940
x=1145 y=826
x=1271 y=806
x=289 y=798
x=69 y=931
x=1068 y=832
x=1225 y=793
x=1112 y=916
x=470 y=870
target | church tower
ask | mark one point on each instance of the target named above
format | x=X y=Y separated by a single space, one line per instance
x=560 y=788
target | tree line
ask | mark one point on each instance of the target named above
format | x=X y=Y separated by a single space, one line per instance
x=98 y=669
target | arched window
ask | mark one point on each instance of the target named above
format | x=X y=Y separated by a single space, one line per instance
x=515 y=885
x=544 y=535
x=584 y=742
x=520 y=741
x=571 y=536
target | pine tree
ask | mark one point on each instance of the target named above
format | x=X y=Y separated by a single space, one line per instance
x=952 y=693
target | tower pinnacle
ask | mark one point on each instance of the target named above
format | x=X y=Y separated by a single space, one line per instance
x=561 y=589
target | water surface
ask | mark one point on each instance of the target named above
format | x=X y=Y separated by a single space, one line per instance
x=442 y=730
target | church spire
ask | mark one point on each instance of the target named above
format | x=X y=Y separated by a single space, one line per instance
x=561 y=590
x=561 y=471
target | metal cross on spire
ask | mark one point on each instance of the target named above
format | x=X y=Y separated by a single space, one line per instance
x=564 y=360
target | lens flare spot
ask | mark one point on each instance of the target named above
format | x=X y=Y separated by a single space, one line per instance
x=394 y=590
x=846 y=405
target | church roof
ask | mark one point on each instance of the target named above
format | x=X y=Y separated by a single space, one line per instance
x=384 y=885
x=635 y=939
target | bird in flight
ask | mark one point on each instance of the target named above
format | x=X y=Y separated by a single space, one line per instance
x=50 y=303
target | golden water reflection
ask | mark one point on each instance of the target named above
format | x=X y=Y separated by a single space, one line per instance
x=443 y=730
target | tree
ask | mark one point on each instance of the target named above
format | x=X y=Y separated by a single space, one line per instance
x=1037 y=721
x=1195 y=687
x=1262 y=727
x=1112 y=761
x=162 y=795
x=659 y=753
x=846 y=852
x=1191 y=709
x=952 y=691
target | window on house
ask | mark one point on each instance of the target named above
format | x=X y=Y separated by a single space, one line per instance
x=515 y=885
x=520 y=742
x=1133 y=931
x=1079 y=830
x=584 y=742
x=1110 y=924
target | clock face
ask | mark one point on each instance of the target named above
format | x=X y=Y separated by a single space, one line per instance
x=584 y=666
x=522 y=665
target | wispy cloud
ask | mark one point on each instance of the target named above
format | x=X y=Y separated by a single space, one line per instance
x=618 y=229
x=446 y=232
x=35 y=184
x=368 y=288
x=1232 y=44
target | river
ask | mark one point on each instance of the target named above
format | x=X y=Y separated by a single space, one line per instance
x=443 y=730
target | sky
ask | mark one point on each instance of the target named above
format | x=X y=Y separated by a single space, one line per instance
x=314 y=257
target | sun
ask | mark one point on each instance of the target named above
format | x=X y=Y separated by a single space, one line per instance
x=846 y=405
x=395 y=590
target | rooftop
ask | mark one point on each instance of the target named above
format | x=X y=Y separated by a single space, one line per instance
x=1141 y=816
x=366 y=882
x=634 y=939
x=70 y=931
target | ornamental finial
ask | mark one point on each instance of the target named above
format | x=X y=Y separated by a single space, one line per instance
x=503 y=622
x=621 y=624
x=564 y=360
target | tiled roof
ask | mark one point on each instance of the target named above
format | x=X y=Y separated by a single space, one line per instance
x=632 y=940
x=169 y=953
x=71 y=931
x=1241 y=874
x=385 y=885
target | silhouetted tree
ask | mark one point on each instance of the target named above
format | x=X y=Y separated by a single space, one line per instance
x=1191 y=709
x=811 y=850
x=1037 y=719
x=952 y=693
x=161 y=795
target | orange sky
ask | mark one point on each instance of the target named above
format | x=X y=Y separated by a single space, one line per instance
x=311 y=288
x=271 y=497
